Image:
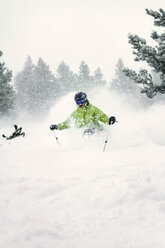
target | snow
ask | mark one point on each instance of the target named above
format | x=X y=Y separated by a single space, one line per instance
x=75 y=195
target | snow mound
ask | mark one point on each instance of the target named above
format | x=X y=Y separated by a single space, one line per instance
x=75 y=195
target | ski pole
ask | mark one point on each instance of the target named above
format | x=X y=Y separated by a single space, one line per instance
x=106 y=141
x=56 y=137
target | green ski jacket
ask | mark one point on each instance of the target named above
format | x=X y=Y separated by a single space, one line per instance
x=86 y=116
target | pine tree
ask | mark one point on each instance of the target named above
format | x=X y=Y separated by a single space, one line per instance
x=66 y=78
x=7 y=94
x=37 y=88
x=44 y=88
x=85 y=81
x=155 y=57
x=121 y=83
x=98 y=78
x=24 y=81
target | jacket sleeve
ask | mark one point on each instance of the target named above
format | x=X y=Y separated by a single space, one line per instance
x=66 y=124
x=63 y=125
x=100 y=116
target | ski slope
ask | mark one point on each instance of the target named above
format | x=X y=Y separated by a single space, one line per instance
x=75 y=195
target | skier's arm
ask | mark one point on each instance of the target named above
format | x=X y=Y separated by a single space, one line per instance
x=69 y=121
x=63 y=125
x=101 y=116
x=59 y=126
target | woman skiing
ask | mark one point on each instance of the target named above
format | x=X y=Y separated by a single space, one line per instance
x=86 y=115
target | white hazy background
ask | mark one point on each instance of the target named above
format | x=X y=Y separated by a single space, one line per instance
x=74 y=195
x=73 y=30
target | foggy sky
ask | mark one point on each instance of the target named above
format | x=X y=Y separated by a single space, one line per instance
x=95 y=31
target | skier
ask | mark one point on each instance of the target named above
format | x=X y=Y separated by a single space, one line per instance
x=16 y=133
x=86 y=115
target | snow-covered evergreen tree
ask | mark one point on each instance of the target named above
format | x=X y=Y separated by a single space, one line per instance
x=7 y=94
x=36 y=88
x=98 y=78
x=24 y=81
x=126 y=87
x=66 y=78
x=155 y=57
x=121 y=83
x=85 y=81
x=44 y=88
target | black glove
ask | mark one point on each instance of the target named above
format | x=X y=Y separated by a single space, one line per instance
x=112 y=120
x=53 y=127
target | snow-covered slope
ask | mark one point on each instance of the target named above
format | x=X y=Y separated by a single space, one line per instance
x=74 y=195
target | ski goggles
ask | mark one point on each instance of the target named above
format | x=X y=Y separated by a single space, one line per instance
x=81 y=102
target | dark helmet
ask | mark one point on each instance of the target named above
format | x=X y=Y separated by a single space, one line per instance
x=81 y=99
x=80 y=96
